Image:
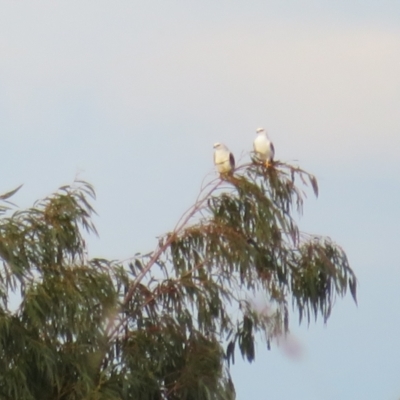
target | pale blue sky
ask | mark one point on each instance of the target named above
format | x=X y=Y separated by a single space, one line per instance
x=115 y=91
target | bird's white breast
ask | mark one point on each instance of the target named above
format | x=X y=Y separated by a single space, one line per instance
x=262 y=146
x=221 y=155
x=222 y=161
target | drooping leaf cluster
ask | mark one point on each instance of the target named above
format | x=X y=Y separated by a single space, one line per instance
x=164 y=325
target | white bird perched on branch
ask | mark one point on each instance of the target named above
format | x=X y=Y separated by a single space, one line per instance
x=263 y=147
x=223 y=159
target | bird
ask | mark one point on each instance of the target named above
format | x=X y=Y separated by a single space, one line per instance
x=223 y=159
x=263 y=147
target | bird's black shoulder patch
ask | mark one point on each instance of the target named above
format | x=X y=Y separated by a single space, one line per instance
x=232 y=160
x=273 y=150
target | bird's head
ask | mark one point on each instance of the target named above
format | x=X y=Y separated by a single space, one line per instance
x=218 y=145
x=260 y=130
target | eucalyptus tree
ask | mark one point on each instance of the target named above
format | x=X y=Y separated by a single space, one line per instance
x=166 y=324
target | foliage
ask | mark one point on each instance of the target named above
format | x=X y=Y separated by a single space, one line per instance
x=163 y=325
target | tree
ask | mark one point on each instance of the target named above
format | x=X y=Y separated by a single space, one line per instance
x=167 y=324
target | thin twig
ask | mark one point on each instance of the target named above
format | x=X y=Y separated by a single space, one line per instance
x=160 y=250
